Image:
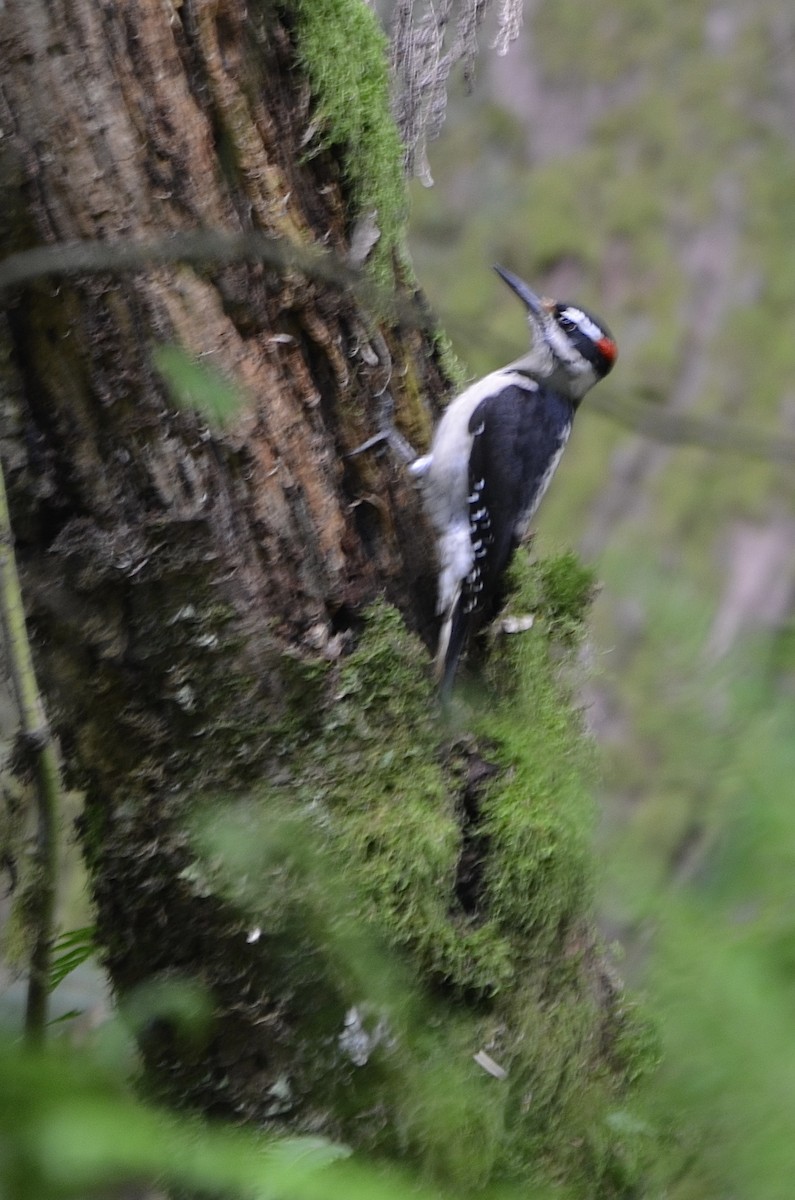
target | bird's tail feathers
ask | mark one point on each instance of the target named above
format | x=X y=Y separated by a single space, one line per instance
x=452 y=641
x=445 y=630
x=455 y=564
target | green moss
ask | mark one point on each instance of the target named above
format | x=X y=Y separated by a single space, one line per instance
x=344 y=52
x=352 y=861
x=566 y=591
x=451 y=366
x=397 y=824
x=386 y=791
x=538 y=816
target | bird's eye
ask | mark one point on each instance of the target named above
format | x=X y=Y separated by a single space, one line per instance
x=566 y=323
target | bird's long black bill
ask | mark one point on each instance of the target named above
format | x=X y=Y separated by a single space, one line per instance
x=522 y=290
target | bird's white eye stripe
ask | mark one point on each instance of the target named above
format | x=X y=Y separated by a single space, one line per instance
x=588 y=327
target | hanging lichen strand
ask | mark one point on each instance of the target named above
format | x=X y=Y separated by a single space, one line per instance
x=427 y=41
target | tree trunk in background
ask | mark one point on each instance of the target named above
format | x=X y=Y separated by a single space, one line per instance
x=181 y=582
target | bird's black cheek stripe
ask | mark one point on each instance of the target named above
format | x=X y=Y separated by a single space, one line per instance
x=590 y=351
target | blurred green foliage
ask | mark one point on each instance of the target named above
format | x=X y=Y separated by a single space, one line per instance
x=197 y=386
x=70 y=1127
x=713 y=942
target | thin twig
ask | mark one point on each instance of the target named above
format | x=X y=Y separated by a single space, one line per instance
x=718 y=434
x=216 y=248
x=211 y=248
x=208 y=247
x=115 y=257
x=36 y=734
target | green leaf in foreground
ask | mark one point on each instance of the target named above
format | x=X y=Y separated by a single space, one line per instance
x=70 y=951
x=197 y=386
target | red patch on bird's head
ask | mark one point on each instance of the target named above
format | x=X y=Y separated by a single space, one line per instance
x=608 y=348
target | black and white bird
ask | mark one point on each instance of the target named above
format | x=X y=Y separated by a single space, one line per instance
x=493 y=456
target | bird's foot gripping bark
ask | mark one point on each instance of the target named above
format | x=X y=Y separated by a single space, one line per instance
x=389 y=436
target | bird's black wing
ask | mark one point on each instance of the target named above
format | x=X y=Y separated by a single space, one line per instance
x=517 y=436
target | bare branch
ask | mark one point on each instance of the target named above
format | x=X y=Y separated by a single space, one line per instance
x=214 y=248
x=209 y=248
x=660 y=424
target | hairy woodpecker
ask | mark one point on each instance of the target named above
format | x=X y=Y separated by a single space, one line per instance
x=493 y=456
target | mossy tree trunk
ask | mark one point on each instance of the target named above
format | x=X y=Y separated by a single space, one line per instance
x=195 y=595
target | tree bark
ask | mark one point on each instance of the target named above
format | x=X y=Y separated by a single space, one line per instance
x=184 y=583
x=167 y=567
